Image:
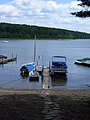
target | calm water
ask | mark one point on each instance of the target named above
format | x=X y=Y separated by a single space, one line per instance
x=77 y=77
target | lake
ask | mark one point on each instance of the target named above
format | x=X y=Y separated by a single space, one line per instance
x=77 y=77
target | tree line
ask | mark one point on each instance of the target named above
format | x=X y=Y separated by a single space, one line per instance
x=18 y=31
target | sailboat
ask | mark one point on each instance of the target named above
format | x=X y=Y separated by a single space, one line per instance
x=29 y=69
x=26 y=68
x=33 y=75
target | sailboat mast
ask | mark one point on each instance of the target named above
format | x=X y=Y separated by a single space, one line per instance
x=35 y=48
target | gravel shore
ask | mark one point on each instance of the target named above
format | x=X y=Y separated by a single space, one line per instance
x=44 y=104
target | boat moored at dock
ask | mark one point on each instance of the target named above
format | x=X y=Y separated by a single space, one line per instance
x=83 y=61
x=33 y=75
x=26 y=68
x=3 y=57
x=58 y=66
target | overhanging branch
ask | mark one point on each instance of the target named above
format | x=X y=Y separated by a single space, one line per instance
x=82 y=14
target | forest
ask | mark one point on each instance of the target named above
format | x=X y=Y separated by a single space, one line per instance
x=23 y=31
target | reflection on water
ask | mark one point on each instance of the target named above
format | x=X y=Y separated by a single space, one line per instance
x=58 y=81
x=48 y=82
x=34 y=79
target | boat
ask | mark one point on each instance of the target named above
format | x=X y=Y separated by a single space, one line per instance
x=3 y=57
x=5 y=41
x=26 y=68
x=33 y=75
x=58 y=66
x=39 y=69
x=83 y=61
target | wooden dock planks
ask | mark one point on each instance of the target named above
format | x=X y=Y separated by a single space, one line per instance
x=6 y=60
x=46 y=78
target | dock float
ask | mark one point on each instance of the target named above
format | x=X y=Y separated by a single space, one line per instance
x=6 y=60
x=46 y=78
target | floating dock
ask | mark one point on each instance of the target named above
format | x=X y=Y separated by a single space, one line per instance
x=46 y=78
x=6 y=60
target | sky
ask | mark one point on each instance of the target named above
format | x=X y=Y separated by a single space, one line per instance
x=46 y=13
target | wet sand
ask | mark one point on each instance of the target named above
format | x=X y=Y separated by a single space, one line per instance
x=44 y=104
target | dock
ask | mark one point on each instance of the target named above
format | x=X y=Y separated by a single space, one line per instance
x=46 y=78
x=6 y=60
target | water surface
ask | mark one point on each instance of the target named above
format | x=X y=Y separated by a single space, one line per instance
x=77 y=77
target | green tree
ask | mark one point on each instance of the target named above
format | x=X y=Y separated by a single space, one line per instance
x=83 y=13
x=17 y=31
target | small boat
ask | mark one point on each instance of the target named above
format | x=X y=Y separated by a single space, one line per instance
x=26 y=68
x=5 y=41
x=3 y=57
x=39 y=69
x=58 y=66
x=33 y=75
x=83 y=61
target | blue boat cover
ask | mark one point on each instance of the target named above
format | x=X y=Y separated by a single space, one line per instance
x=30 y=67
x=2 y=56
x=62 y=64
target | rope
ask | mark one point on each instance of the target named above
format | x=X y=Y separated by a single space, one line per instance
x=6 y=83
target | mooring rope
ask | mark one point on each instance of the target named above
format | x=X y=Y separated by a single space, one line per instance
x=6 y=83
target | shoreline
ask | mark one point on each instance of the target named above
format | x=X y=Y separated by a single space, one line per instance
x=44 y=104
x=78 y=92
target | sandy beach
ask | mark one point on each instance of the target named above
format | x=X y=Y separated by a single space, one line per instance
x=17 y=104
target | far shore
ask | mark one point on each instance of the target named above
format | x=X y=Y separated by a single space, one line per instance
x=41 y=39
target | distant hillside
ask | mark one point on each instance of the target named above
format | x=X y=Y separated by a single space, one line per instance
x=17 y=31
